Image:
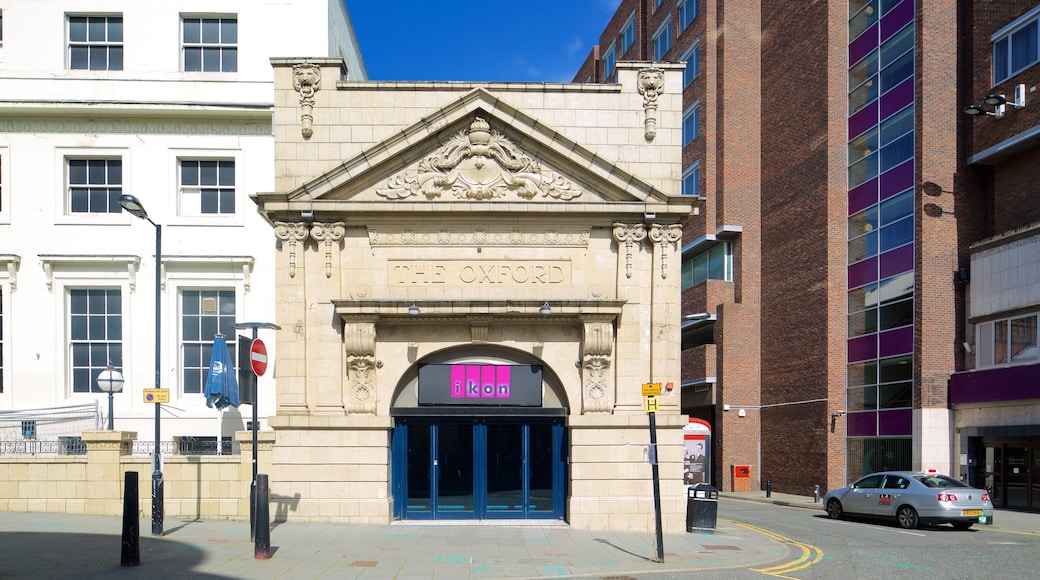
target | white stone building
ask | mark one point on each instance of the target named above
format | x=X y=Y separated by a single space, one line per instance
x=171 y=103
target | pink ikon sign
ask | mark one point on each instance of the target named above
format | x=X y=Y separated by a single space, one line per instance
x=480 y=382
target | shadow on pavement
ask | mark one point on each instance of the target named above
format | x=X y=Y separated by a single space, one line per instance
x=53 y=555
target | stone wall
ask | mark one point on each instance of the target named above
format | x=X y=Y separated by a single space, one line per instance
x=194 y=486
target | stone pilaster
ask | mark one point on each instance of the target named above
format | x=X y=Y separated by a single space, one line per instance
x=291 y=314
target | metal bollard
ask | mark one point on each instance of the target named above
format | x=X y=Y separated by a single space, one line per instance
x=816 y=495
x=262 y=546
x=769 y=488
x=131 y=552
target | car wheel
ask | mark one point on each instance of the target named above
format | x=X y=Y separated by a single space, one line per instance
x=834 y=510
x=907 y=517
x=963 y=525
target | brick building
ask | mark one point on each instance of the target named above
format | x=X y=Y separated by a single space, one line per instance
x=853 y=256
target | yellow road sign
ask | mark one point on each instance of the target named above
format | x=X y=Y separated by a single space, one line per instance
x=650 y=404
x=157 y=395
x=651 y=389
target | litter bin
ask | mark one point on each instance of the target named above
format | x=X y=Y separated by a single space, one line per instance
x=702 y=508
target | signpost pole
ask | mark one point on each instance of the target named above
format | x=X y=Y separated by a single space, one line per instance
x=650 y=391
x=256 y=422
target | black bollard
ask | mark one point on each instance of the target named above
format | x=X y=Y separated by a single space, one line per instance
x=262 y=550
x=131 y=553
x=769 y=488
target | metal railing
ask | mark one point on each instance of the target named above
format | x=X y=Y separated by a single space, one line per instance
x=63 y=446
x=76 y=446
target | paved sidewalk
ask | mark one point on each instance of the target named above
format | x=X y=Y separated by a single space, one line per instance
x=36 y=545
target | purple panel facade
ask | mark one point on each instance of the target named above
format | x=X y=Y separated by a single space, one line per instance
x=896 y=423
x=895 y=342
x=900 y=96
x=862 y=348
x=896 y=261
x=994 y=385
x=862 y=46
x=862 y=273
x=863 y=196
x=864 y=119
x=896 y=19
x=861 y=424
x=898 y=179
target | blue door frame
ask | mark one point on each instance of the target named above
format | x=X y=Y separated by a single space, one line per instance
x=478 y=468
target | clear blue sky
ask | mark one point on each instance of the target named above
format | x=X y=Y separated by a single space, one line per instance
x=477 y=40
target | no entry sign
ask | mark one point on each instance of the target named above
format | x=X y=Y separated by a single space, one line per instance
x=258 y=357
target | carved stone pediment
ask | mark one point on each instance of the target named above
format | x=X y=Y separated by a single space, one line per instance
x=480 y=164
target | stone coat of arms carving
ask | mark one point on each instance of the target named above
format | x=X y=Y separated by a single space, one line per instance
x=479 y=164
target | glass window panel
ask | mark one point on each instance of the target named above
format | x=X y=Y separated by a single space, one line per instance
x=207 y=172
x=229 y=61
x=1000 y=342
x=863 y=373
x=897 y=314
x=192 y=30
x=227 y=201
x=863 y=222
x=864 y=297
x=115 y=58
x=96 y=29
x=78 y=29
x=78 y=57
x=863 y=145
x=211 y=59
x=863 y=95
x=80 y=355
x=210 y=30
x=192 y=58
x=897 y=72
x=863 y=247
x=984 y=344
x=228 y=31
x=863 y=19
x=1000 y=60
x=862 y=170
x=896 y=396
x=1023 y=47
x=863 y=70
x=897 y=234
x=896 y=369
x=897 y=207
x=115 y=30
x=1023 y=339
x=897 y=152
x=717 y=263
x=861 y=323
x=861 y=399
x=898 y=44
x=898 y=287
x=897 y=125
x=226 y=175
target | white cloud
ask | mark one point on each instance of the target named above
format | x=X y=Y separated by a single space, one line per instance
x=574 y=46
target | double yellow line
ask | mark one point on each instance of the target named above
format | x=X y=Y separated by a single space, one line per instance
x=809 y=556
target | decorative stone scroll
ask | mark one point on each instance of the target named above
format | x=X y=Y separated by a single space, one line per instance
x=650 y=81
x=666 y=239
x=630 y=235
x=597 y=347
x=480 y=164
x=291 y=234
x=329 y=234
x=359 y=343
x=306 y=81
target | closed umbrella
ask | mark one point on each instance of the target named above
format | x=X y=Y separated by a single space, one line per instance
x=221 y=385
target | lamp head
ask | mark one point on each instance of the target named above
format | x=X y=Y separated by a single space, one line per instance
x=110 y=380
x=545 y=310
x=994 y=99
x=413 y=310
x=133 y=206
x=974 y=110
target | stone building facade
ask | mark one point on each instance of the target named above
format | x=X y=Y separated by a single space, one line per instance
x=474 y=281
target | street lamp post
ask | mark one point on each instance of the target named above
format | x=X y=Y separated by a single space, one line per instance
x=110 y=381
x=134 y=208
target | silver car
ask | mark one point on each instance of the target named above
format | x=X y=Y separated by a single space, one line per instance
x=911 y=499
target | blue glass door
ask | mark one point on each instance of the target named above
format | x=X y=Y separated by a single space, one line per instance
x=478 y=469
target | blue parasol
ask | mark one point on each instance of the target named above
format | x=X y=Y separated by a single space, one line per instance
x=221 y=385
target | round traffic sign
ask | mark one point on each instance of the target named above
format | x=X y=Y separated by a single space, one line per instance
x=258 y=357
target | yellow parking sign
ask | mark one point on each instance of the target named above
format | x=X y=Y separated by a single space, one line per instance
x=650 y=404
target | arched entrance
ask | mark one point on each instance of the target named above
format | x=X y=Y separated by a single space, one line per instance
x=479 y=433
